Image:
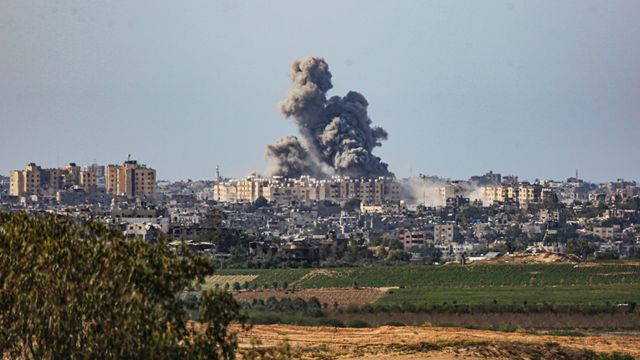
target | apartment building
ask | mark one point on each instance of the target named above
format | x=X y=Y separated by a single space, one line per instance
x=607 y=232
x=413 y=239
x=250 y=189
x=451 y=190
x=35 y=180
x=224 y=192
x=281 y=190
x=523 y=193
x=131 y=179
x=444 y=233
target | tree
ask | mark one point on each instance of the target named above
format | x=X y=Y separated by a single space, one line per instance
x=74 y=291
x=580 y=247
x=351 y=205
x=469 y=214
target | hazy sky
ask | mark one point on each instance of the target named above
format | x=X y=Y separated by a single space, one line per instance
x=533 y=88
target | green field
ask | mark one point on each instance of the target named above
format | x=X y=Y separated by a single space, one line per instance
x=473 y=284
x=595 y=294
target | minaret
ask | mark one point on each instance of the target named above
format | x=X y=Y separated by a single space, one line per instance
x=218 y=178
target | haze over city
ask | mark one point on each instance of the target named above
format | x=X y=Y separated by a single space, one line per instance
x=533 y=89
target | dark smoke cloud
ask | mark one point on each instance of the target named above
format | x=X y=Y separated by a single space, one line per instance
x=337 y=133
x=291 y=159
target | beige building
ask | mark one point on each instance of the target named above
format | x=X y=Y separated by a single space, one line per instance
x=607 y=233
x=224 y=192
x=412 y=239
x=451 y=191
x=444 y=233
x=529 y=193
x=249 y=189
x=280 y=190
x=523 y=193
x=89 y=180
x=131 y=179
x=37 y=181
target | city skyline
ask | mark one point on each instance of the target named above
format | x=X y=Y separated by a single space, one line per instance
x=461 y=88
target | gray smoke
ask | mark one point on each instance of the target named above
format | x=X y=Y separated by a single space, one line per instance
x=291 y=159
x=337 y=133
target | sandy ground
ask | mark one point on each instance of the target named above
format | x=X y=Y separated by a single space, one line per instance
x=541 y=258
x=433 y=343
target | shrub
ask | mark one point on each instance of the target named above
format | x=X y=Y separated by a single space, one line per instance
x=330 y=322
x=395 y=323
x=357 y=323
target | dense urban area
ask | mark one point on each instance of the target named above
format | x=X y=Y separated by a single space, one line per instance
x=274 y=222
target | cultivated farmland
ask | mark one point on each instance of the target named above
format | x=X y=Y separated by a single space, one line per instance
x=595 y=283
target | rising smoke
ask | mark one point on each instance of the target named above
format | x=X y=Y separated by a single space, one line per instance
x=337 y=136
x=427 y=190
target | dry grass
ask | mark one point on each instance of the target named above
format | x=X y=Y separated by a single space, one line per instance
x=433 y=343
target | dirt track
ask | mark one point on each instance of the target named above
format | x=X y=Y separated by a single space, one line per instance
x=433 y=343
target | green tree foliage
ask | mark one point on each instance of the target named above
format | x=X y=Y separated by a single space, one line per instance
x=76 y=291
x=515 y=239
x=470 y=213
x=351 y=205
x=581 y=247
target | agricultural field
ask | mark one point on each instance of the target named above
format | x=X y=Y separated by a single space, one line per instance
x=330 y=296
x=222 y=280
x=587 y=283
x=266 y=277
x=581 y=294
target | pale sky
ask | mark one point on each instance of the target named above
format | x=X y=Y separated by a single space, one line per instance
x=532 y=88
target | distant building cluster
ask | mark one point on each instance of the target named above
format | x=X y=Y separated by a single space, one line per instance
x=281 y=190
x=35 y=180
x=72 y=182
x=256 y=221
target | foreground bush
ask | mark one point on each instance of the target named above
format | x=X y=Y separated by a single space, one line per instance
x=71 y=291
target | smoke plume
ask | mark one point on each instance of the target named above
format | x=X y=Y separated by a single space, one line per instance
x=290 y=158
x=434 y=191
x=337 y=136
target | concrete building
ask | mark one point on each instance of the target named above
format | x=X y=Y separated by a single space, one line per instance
x=413 y=239
x=131 y=179
x=523 y=193
x=249 y=189
x=529 y=193
x=224 y=192
x=451 y=190
x=285 y=191
x=444 y=233
x=607 y=232
x=35 y=180
x=100 y=175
